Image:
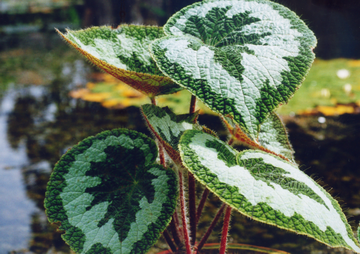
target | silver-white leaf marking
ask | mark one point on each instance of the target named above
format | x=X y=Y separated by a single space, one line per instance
x=266 y=65
x=87 y=221
x=256 y=191
x=168 y=127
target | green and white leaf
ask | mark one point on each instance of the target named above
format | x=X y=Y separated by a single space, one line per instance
x=124 y=53
x=168 y=125
x=266 y=188
x=273 y=136
x=243 y=58
x=109 y=196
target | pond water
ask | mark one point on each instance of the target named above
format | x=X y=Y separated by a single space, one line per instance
x=39 y=122
x=14 y=228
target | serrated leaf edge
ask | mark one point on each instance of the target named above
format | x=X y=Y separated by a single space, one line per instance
x=125 y=77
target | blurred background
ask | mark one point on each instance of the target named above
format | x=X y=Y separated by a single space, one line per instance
x=51 y=98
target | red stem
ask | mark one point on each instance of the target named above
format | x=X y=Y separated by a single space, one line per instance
x=210 y=229
x=176 y=220
x=183 y=214
x=225 y=230
x=169 y=241
x=173 y=226
x=161 y=154
x=192 y=186
x=201 y=204
x=153 y=101
x=192 y=104
x=192 y=208
x=175 y=229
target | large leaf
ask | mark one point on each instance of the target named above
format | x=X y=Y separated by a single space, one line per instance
x=266 y=188
x=243 y=58
x=109 y=196
x=124 y=53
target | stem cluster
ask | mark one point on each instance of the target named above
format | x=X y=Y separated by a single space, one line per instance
x=184 y=235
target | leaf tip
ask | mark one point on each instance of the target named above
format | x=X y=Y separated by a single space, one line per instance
x=61 y=34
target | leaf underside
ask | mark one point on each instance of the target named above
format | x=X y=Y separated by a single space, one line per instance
x=266 y=188
x=124 y=53
x=242 y=58
x=109 y=196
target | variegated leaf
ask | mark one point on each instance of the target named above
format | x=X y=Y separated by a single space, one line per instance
x=124 y=53
x=272 y=137
x=109 y=196
x=242 y=58
x=168 y=127
x=266 y=188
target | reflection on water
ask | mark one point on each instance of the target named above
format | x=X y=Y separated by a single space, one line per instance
x=25 y=165
x=15 y=209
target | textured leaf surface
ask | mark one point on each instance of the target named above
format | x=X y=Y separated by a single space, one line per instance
x=272 y=137
x=242 y=58
x=266 y=188
x=109 y=196
x=168 y=127
x=124 y=53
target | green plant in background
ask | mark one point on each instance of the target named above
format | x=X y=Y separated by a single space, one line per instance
x=241 y=58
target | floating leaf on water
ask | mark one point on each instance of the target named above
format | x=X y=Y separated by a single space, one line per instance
x=111 y=95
